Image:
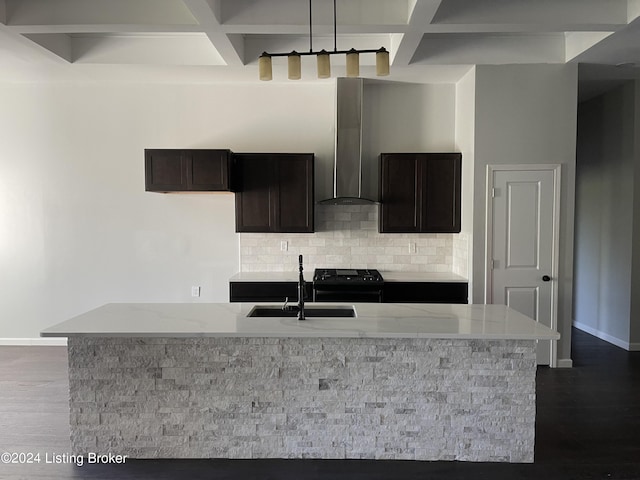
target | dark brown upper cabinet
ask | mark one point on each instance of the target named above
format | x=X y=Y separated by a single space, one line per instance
x=420 y=192
x=187 y=170
x=274 y=192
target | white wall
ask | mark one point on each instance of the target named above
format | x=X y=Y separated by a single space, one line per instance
x=77 y=228
x=465 y=143
x=527 y=114
x=405 y=117
x=605 y=213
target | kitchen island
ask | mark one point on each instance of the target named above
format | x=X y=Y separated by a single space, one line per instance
x=398 y=381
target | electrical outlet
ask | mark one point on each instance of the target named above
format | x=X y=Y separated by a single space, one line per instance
x=195 y=291
x=412 y=247
x=284 y=246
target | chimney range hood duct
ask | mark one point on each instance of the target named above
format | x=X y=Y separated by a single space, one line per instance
x=350 y=186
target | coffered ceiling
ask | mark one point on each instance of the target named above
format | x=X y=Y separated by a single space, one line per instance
x=220 y=40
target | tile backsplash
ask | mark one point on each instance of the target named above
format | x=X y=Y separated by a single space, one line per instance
x=347 y=237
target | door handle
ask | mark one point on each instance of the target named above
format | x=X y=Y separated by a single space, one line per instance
x=546 y=278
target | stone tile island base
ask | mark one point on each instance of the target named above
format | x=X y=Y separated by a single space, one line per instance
x=374 y=398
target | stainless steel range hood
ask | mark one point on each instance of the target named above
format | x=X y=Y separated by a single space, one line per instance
x=349 y=172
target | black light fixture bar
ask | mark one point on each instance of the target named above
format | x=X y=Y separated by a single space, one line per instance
x=326 y=52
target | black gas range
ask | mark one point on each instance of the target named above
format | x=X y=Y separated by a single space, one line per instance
x=347 y=285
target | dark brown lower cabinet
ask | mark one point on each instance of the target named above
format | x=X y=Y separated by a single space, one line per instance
x=425 y=292
x=274 y=192
x=267 y=291
x=168 y=170
x=420 y=192
x=393 y=292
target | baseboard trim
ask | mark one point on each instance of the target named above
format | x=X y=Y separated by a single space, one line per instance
x=34 y=342
x=606 y=337
x=565 y=363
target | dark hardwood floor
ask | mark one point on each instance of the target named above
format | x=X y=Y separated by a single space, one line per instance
x=588 y=427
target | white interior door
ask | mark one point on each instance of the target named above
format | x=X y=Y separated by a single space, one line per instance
x=523 y=208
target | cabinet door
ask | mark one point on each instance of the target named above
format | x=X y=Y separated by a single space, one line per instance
x=294 y=209
x=255 y=206
x=420 y=193
x=267 y=291
x=207 y=170
x=399 y=193
x=169 y=170
x=441 y=192
x=165 y=170
x=275 y=192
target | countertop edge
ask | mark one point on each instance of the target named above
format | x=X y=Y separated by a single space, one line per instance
x=389 y=277
x=193 y=320
x=294 y=335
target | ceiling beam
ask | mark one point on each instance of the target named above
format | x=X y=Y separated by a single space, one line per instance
x=317 y=29
x=272 y=29
x=59 y=56
x=207 y=13
x=577 y=43
x=57 y=43
x=422 y=14
x=633 y=10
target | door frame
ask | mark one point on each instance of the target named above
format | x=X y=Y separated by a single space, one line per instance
x=556 y=168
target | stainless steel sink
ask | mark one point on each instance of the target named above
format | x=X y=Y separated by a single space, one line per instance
x=309 y=312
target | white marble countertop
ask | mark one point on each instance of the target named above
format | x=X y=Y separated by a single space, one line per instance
x=373 y=320
x=422 y=277
x=271 y=276
x=386 y=275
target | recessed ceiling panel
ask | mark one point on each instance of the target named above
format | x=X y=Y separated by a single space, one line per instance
x=483 y=49
x=174 y=49
x=78 y=12
x=536 y=11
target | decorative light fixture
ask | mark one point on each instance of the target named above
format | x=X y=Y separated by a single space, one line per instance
x=323 y=58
